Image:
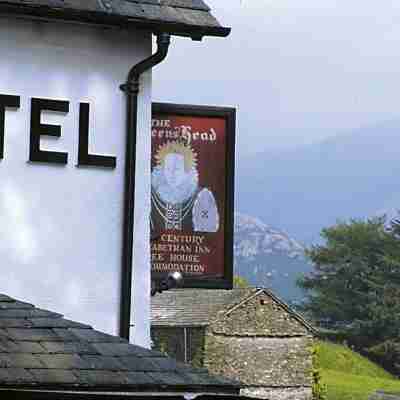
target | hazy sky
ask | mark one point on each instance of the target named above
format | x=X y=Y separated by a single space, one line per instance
x=296 y=71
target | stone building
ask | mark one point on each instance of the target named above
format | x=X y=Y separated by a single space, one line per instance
x=245 y=334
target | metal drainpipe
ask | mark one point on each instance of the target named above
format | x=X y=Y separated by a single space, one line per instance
x=131 y=89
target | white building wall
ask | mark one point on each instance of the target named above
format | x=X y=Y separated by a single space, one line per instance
x=61 y=226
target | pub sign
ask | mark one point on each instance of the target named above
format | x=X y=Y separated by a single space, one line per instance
x=192 y=192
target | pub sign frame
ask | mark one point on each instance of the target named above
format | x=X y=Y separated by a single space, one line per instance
x=225 y=131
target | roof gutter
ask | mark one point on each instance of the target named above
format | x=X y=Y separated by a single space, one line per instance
x=131 y=89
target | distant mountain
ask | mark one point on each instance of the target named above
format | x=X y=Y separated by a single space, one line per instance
x=268 y=257
x=301 y=191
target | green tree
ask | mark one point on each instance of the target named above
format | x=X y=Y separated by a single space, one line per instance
x=356 y=282
x=240 y=282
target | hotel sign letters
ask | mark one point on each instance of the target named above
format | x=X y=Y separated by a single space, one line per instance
x=192 y=194
x=37 y=129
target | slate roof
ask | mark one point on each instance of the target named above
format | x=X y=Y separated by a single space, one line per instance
x=192 y=307
x=181 y=17
x=197 y=307
x=42 y=350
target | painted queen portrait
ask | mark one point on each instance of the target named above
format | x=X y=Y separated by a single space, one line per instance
x=178 y=202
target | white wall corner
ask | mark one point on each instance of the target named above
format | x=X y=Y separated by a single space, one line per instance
x=141 y=285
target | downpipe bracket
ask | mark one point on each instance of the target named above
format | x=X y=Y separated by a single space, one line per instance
x=130 y=87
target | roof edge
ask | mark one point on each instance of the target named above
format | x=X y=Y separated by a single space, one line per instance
x=289 y=309
x=257 y=291
x=232 y=387
x=158 y=324
x=253 y=292
x=103 y=18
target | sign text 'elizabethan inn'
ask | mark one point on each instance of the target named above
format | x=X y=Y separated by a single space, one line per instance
x=37 y=129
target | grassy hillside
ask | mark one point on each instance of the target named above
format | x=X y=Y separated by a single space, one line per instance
x=349 y=376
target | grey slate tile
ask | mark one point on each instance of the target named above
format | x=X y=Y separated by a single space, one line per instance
x=16 y=376
x=131 y=9
x=33 y=335
x=150 y=353
x=104 y=362
x=28 y=313
x=56 y=323
x=69 y=348
x=15 y=323
x=117 y=349
x=53 y=376
x=140 y=364
x=220 y=380
x=93 y=336
x=66 y=335
x=63 y=361
x=6 y=346
x=90 y=5
x=153 y=12
x=4 y=305
x=100 y=378
x=189 y=368
x=28 y=347
x=139 y=378
x=197 y=379
x=165 y=363
x=168 y=378
x=171 y=14
x=20 y=360
x=6 y=298
x=9 y=346
x=142 y=352
x=195 y=18
x=192 y=4
x=157 y=2
x=4 y=335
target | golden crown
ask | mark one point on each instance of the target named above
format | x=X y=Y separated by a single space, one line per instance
x=187 y=152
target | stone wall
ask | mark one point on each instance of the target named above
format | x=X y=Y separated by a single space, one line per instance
x=260 y=316
x=269 y=362
x=302 y=393
x=265 y=347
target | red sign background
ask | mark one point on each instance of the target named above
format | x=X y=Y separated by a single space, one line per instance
x=193 y=253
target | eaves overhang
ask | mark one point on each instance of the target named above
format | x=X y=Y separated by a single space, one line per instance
x=143 y=14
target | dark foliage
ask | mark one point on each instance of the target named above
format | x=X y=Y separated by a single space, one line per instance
x=355 y=285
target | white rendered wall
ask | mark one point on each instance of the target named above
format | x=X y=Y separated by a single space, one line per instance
x=61 y=226
x=140 y=333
